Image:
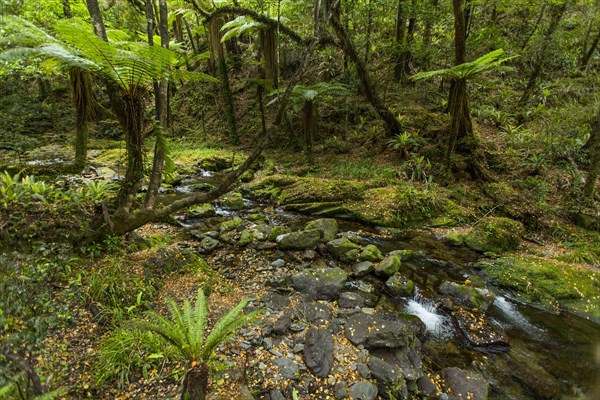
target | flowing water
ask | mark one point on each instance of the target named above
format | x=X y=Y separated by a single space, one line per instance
x=550 y=356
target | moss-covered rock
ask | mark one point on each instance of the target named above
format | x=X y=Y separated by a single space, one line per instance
x=495 y=234
x=389 y=266
x=246 y=237
x=277 y=230
x=405 y=255
x=307 y=239
x=343 y=249
x=400 y=286
x=324 y=283
x=467 y=295
x=327 y=227
x=233 y=201
x=257 y=218
x=553 y=283
x=230 y=224
x=202 y=211
x=215 y=163
x=370 y=253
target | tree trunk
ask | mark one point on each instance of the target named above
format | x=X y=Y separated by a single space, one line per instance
x=461 y=127
x=195 y=383
x=399 y=70
x=178 y=28
x=428 y=32
x=556 y=15
x=268 y=41
x=161 y=112
x=594 y=150
x=83 y=100
x=585 y=60
x=392 y=125
x=410 y=35
x=309 y=123
x=369 y=30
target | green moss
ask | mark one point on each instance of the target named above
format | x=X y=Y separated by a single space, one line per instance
x=455 y=239
x=246 y=237
x=231 y=224
x=549 y=282
x=276 y=231
x=495 y=235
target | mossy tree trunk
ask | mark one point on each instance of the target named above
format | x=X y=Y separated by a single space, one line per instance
x=399 y=70
x=309 y=123
x=83 y=99
x=268 y=40
x=594 y=149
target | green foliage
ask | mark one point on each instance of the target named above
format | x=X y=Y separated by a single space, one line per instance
x=187 y=324
x=129 y=352
x=487 y=62
x=322 y=91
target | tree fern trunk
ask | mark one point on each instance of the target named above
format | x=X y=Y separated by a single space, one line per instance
x=594 y=149
x=268 y=38
x=400 y=42
x=195 y=383
x=308 y=124
x=83 y=101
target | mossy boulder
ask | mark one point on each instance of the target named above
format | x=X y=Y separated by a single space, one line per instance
x=467 y=295
x=215 y=163
x=246 y=237
x=323 y=283
x=202 y=211
x=389 y=266
x=276 y=231
x=257 y=218
x=405 y=255
x=231 y=224
x=400 y=286
x=343 y=249
x=307 y=239
x=495 y=234
x=233 y=201
x=327 y=227
x=370 y=253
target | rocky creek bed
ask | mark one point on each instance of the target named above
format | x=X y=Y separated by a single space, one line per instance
x=364 y=313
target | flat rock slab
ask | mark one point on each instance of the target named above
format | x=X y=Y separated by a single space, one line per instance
x=318 y=351
x=322 y=283
x=459 y=384
x=363 y=391
x=377 y=331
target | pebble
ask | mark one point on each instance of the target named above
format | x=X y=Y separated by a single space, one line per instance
x=276 y=353
x=278 y=263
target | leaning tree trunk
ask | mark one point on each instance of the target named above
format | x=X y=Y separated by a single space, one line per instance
x=195 y=383
x=392 y=124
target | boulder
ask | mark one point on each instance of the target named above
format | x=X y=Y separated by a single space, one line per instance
x=362 y=268
x=467 y=295
x=351 y=300
x=363 y=390
x=215 y=163
x=322 y=283
x=327 y=227
x=314 y=312
x=246 y=237
x=400 y=286
x=375 y=331
x=343 y=249
x=318 y=351
x=275 y=301
x=370 y=253
x=277 y=231
x=202 y=211
x=287 y=368
x=300 y=240
x=231 y=224
x=494 y=234
x=389 y=378
x=233 y=201
x=475 y=328
x=459 y=384
x=208 y=244
x=389 y=266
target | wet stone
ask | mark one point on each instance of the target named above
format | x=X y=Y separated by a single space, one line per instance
x=375 y=331
x=278 y=263
x=351 y=300
x=362 y=268
x=287 y=367
x=460 y=384
x=363 y=391
x=275 y=301
x=318 y=352
x=340 y=390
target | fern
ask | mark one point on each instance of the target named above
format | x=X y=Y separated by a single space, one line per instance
x=468 y=70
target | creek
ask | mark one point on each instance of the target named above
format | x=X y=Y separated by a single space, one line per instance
x=549 y=355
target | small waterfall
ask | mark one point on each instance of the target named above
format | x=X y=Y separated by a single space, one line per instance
x=517 y=319
x=425 y=309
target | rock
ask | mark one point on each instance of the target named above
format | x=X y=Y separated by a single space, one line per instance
x=208 y=244
x=363 y=391
x=343 y=249
x=318 y=351
x=375 y=331
x=340 y=390
x=300 y=240
x=351 y=300
x=427 y=388
x=400 y=286
x=405 y=255
x=314 y=312
x=309 y=255
x=370 y=253
x=245 y=394
x=215 y=163
x=494 y=234
x=201 y=187
x=391 y=382
x=257 y=218
x=275 y=301
x=474 y=327
x=467 y=295
x=106 y=173
x=202 y=211
x=460 y=385
x=541 y=384
x=327 y=227
x=246 y=237
x=278 y=263
x=323 y=283
x=363 y=370
x=362 y=268
x=389 y=266
x=287 y=368
x=230 y=224
x=410 y=363
x=233 y=201
x=282 y=324
x=276 y=395
x=276 y=231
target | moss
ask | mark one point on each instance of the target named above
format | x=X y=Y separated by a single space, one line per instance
x=549 y=282
x=455 y=239
x=246 y=237
x=231 y=224
x=276 y=231
x=495 y=235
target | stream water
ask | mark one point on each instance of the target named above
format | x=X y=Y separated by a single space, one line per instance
x=550 y=355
